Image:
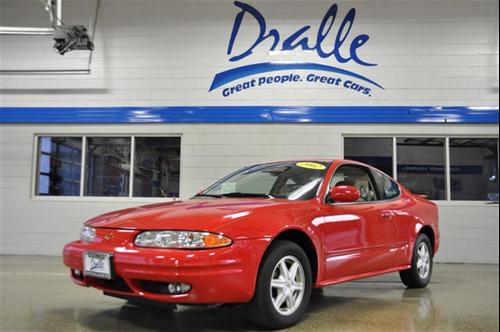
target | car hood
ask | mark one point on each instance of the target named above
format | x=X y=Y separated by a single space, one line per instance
x=195 y=214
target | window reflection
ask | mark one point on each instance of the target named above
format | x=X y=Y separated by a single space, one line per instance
x=421 y=166
x=474 y=169
x=157 y=166
x=107 y=169
x=388 y=188
x=59 y=165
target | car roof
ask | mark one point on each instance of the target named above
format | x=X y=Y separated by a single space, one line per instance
x=336 y=161
x=324 y=160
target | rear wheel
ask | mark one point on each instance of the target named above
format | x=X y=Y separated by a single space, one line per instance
x=283 y=286
x=419 y=275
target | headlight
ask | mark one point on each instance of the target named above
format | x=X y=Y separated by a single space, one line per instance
x=87 y=234
x=181 y=240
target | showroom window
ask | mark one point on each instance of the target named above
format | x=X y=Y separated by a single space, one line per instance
x=157 y=166
x=421 y=166
x=121 y=166
x=372 y=151
x=474 y=169
x=59 y=166
x=107 y=167
x=454 y=168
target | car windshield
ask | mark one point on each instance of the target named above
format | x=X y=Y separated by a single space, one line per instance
x=288 y=180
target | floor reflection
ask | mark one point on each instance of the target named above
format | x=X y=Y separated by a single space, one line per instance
x=412 y=310
x=460 y=298
x=193 y=318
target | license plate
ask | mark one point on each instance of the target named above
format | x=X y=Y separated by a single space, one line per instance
x=97 y=264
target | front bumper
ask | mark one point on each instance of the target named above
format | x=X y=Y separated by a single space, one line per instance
x=223 y=275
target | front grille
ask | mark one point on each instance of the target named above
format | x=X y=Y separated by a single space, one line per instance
x=155 y=287
x=116 y=284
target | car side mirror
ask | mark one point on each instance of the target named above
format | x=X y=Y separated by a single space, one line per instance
x=344 y=194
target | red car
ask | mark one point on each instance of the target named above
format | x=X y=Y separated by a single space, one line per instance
x=267 y=235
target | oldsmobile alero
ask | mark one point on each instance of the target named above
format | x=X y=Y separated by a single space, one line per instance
x=265 y=235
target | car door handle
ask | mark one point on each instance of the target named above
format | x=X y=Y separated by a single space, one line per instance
x=387 y=214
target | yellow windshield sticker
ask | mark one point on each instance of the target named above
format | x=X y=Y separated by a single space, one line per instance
x=311 y=165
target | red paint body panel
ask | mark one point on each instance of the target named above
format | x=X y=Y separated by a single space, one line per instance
x=351 y=240
x=219 y=275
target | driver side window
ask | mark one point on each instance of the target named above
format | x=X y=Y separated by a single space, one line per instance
x=358 y=177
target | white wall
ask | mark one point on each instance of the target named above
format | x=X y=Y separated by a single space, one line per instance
x=166 y=52
x=42 y=225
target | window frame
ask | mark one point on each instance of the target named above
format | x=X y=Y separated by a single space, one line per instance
x=447 y=162
x=34 y=178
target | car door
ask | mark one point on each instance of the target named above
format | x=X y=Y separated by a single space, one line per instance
x=404 y=220
x=357 y=236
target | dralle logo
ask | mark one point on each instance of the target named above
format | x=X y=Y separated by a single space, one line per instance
x=335 y=44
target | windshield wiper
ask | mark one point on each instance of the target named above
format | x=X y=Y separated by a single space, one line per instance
x=238 y=194
x=208 y=195
x=235 y=194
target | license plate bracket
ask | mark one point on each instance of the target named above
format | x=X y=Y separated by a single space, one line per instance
x=98 y=265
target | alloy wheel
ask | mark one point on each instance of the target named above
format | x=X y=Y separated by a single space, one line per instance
x=423 y=260
x=287 y=285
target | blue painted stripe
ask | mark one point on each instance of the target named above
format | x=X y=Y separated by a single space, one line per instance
x=250 y=114
x=259 y=68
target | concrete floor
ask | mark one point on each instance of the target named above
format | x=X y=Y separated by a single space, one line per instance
x=37 y=295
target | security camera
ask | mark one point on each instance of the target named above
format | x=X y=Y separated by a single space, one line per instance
x=71 y=37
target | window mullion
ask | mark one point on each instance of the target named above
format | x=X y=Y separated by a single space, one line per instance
x=132 y=162
x=447 y=167
x=395 y=158
x=82 y=165
x=36 y=172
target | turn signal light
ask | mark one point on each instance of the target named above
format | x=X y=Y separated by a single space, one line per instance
x=215 y=240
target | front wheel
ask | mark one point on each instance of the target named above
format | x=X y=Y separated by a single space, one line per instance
x=283 y=286
x=419 y=275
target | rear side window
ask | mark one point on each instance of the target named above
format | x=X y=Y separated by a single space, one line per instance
x=388 y=188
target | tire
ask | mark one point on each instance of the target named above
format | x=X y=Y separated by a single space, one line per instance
x=294 y=302
x=419 y=276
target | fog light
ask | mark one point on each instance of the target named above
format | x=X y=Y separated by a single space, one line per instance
x=77 y=273
x=178 y=288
